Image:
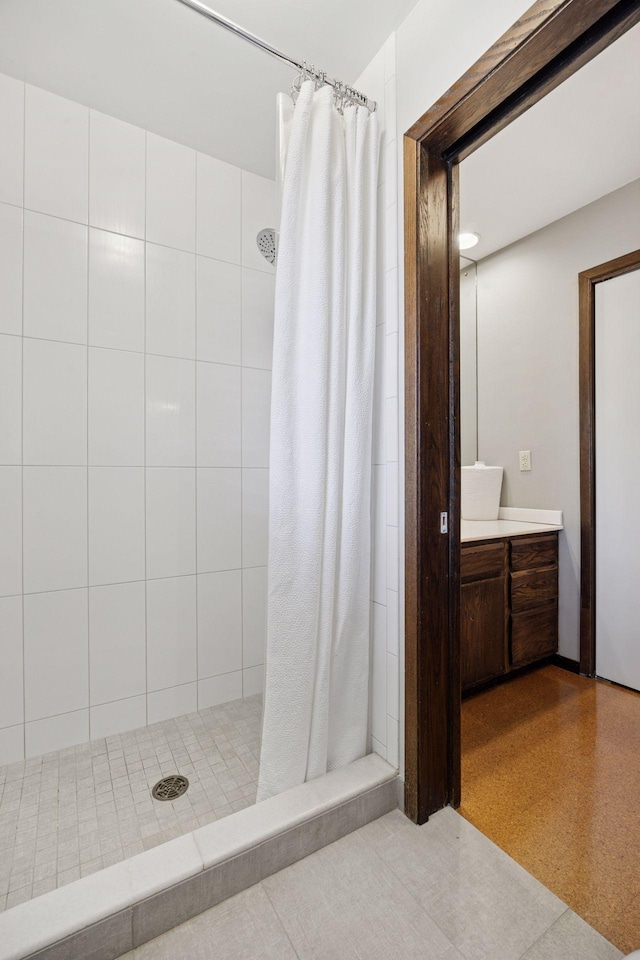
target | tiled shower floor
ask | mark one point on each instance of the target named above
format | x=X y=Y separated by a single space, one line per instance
x=67 y=814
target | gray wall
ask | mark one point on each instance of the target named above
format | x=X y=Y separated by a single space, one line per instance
x=528 y=367
x=468 y=364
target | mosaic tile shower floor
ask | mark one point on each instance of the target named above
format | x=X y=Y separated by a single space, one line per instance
x=69 y=813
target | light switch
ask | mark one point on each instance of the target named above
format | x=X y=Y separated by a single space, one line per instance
x=525 y=460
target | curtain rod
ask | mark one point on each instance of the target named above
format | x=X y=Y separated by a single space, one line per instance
x=343 y=90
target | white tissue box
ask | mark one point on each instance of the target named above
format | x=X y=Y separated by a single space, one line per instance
x=481 y=487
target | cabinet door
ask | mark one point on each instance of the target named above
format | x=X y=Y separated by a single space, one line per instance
x=483 y=630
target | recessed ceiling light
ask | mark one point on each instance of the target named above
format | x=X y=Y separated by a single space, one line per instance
x=467 y=240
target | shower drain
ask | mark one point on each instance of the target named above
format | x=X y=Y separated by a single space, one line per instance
x=170 y=787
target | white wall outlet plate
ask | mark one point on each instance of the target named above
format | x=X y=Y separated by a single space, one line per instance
x=525 y=460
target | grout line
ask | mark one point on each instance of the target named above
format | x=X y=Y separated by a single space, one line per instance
x=195 y=439
x=241 y=446
x=144 y=442
x=24 y=671
x=139 y=353
x=87 y=255
x=278 y=917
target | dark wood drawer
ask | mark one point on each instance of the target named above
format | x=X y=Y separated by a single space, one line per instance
x=534 y=634
x=529 y=553
x=481 y=563
x=529 y=588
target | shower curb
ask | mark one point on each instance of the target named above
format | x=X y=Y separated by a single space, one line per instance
x=109 y=913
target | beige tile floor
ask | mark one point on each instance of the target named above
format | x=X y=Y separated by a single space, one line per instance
x=67 y=814
x=391 y=891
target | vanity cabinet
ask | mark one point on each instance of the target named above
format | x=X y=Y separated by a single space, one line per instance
x=509 y=605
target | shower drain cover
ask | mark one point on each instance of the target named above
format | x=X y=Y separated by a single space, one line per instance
x=170 y=787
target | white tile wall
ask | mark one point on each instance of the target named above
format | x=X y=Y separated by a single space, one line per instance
x=135 y=356
x=386 y=662
x=55 y=278
x=116 y=291
x=56 y=155
x=10 y=266
x=11 y=139
x=116 y=175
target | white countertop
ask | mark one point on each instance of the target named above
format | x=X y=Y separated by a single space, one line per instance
x=511 y=522
x=494 y=529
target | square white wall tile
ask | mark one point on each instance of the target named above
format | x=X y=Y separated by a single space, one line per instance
x=171 y=302
x=219 y=418
x=258 y=304
x=391 y=429
x=56 y=733
x=392 y=558
x=56 y=156
x=379 y=674
x=390 y=119
x=116 y=175
x=218 y=209
x=258 y=213
x=393 y=742
x=393 y=623
x=10 y=269
x=392 y=686
x=391 y=237
x=56 y=653
x=10 y=531
x=174 y=702
x=215 y=690
x=55 y=403
x=378 y=447
x=391 y=300
x=219 y=623
x=379 y=534
x=116 y=408
x=255 y=517
x=392 y=494
x=12 y=744
x=171 y=632
x=11 y=677
x=116 y=291
x=55 y=278
x=116 y=525
x=390 y=57
x=252 y=681
x=171 y=521
x=10 y=400
x=11 y=139
x=219 y=519
x=254 y=616
x=109 y=719
x=171 y=412
x=256 y=417
x=218 y=311
x=117 y=642
x=171 y=193
x=55 y=528
x=390 y=161
x=391 y=365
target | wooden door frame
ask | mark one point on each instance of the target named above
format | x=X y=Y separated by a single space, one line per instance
x=587 y=281
x=549 y=43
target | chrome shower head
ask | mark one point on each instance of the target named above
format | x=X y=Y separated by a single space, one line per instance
x=266 y=241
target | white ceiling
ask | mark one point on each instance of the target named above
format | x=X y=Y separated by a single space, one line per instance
x=159 y=65
x=577 y=144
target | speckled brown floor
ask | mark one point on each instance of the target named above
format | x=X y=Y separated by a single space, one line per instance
x=551 y=773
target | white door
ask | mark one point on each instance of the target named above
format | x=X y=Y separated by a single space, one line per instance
x=617 y=423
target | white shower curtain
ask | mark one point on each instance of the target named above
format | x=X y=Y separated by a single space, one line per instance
x=317 y=664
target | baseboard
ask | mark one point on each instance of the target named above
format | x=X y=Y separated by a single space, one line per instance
x=115 y=910
x=573 y=666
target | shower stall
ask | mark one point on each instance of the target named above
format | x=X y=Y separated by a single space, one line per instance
x=136 y=345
